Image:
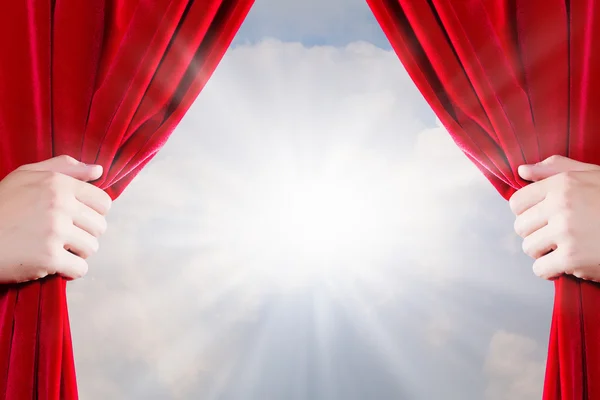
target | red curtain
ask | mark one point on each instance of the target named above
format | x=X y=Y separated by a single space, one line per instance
x=514 y=82
x=105 y=81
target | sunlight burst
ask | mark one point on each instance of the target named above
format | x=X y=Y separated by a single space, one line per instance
x=294 y=223
x=317 y=218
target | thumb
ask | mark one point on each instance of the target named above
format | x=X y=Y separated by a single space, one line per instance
x=68 y=166
x=551 y=166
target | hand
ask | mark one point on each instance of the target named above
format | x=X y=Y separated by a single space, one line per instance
x=50 y=219
x=559 y=217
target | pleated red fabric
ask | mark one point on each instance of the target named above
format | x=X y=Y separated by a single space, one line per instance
x=104 y=81
x=514 y=82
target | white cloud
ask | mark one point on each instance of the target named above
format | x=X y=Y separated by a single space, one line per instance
x=353 y=109
x=514 y=368
x=338 y=21
x=186 y=266
x=439 y=330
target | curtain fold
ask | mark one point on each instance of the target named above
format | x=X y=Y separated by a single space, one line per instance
x=514 y=82
x=104 y=81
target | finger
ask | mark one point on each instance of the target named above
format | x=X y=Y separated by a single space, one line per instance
x=81 y=243
x=71 y=266
x=531 y=220
x=93 y=197
x=527 y=197
x=539 y=243
x=549 y=266
x=69 y=166
x=89 y=220
x=552 y=166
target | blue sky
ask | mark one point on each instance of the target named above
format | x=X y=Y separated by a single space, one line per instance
x=402 y=280
x=312 y=22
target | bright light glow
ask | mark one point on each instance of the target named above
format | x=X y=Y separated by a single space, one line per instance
x=295 y=225
x=316 y=218
x=334 y=181
x=296 y=167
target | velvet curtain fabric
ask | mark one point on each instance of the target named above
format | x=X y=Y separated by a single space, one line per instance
x=516 y=81
x=104 y=81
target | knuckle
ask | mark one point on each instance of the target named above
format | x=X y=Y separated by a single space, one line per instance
x=563 y=200
x=94 y=246
x=48 y=259
x=568 y=180
x=526 y=246
x=41 y=273
x=569 y=256
x=518 y=227
x=55 y=226
x=563 y=225
x=89 y=250
x=106 y=202
x=51 y=178
x=537 y=270
x=553 y=159
x=23 y=169
x=541 y=272
x=103 y=226
x=26 y=168
x=578 y=274
x=34 y=274
x=84 y=269
x=53 y=193
x=55 y=201
x=98 y=230
x=84 y=253
x=81 y=271
x=511 y=204
x=16 y=175
x=67 y=159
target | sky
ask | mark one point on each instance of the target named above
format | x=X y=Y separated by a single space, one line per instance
x=310 y=231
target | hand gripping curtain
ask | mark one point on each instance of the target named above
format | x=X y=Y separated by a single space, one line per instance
x=104 y=81
x=514 y=82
